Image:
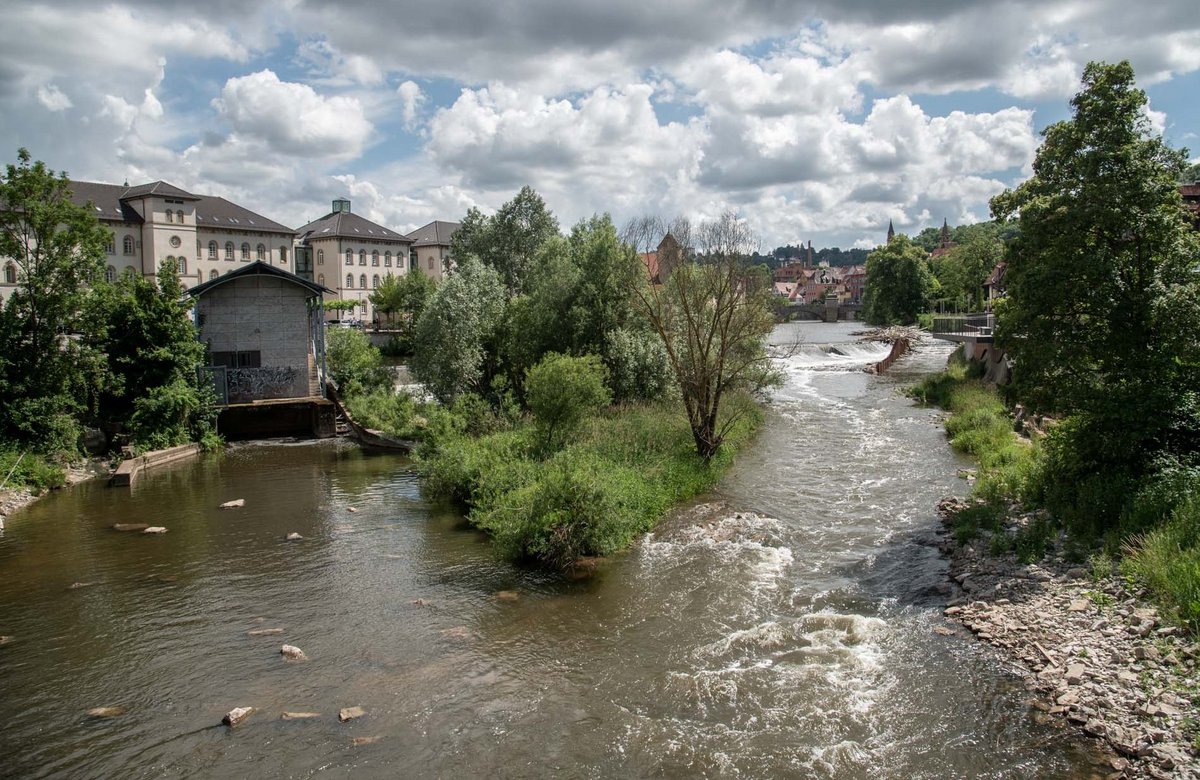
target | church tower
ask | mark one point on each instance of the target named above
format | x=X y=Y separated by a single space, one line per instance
x=891 y=232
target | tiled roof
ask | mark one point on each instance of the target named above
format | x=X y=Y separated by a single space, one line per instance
x=110 y=204
x=219 y=213
x=436 y=233
x=105 y=199
x=345 y=224
x=160 y=188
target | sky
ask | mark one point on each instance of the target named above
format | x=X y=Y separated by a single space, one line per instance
x=820 y=120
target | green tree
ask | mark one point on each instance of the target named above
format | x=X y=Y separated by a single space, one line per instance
x=152 y=352
x=898 y=283
x=354 y=364
x=713 y=315
x=340 y=305
x=57 y=247
x=562 y=391
x=509 y=241
x=456 y=350
x=1101 y=318
x=962 y=271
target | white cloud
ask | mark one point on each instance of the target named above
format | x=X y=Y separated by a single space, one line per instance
x=292 y=118
x=52 y=98
x=411 y=100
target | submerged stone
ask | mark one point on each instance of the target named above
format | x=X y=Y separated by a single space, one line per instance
x=292 y=653
x=350 y=713
x=364 y=740
x=293 y=537
x=237 y=503
x=264 y=632
x=299 y=715
x=508 y=595
x=155 y=529
x=106 y=712
x=130 y=526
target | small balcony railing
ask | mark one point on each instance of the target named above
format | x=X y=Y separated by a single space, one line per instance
x=965 y=326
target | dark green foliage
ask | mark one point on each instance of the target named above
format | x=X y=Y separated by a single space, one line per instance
x=46 y=378
x=509 y=241
x=402 y=300
x=961 y=272
x=1167 y=561
x=899 y=283
x=355 y=365
x=1102 y=312
x=562 y=391
x=29 y=469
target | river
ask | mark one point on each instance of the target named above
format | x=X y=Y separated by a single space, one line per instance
x=780 y=627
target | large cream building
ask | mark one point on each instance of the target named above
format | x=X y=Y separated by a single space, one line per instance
x=208 y=236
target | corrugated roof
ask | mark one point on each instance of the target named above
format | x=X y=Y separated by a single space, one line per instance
x=436 y=233
x=258 y=268
x=345 y=224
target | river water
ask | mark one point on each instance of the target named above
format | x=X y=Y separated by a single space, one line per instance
x=780 y=627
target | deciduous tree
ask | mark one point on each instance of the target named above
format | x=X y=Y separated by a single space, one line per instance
x=898 y=283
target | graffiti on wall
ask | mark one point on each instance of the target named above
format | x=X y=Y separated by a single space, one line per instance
x=258 y=383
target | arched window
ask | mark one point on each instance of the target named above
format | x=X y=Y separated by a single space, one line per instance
x=112 y=244
x=387 y=259
x=10 y=274
x=321 y=279
x=129 y=273
x=349 y=281
x=110 y=274
x=362 y=257
x=261 y=252
x=362 y=281
x=212 y=274
x=283 y=255
x=182 y=265
x=245 y=252
x=375 y=281
x=212 y=250
x=170 y=216
x=127 y=245
x=362 y=309
x=349 y=257
x=320 y=257
x=229 y=250
x=375 y=258
x=179 y=216
x=431 y=262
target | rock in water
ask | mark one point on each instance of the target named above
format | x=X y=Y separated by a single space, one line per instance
x=264 y=632
x=350 y=713
x=237 y=503
x=5 y=640
x=364 y=741
x=292 y=653
x=237 y=715
x=508 y=595
x=351 y=509
x=106 y=712
x=154 y=529
x=78 y=585
x=130 y=527
x=294 y=537
x=299 y=715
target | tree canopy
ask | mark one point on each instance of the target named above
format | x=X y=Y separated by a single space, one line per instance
x=899 y=283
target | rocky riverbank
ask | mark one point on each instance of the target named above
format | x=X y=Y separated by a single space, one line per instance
x=12 y=500
x=1097 y=653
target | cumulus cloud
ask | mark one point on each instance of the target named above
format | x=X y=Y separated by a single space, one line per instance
x=411 y=100
x=52 y=98
x=293 y=118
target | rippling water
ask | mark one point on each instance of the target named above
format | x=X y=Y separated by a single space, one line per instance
x=779 y=628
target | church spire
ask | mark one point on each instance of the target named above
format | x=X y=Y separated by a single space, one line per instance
x=945 y=232
x=891 y=232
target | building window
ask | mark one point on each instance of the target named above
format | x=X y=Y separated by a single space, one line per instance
x=362 y=309
x=261 y=253
x=127 y=245
x=362 y=257
x=245 y=253
x=182 y=265
x=176 y=241
x=112 y=244
x=212 y=274
x=431 y=262
x=229 y=250
x=179 y=216
x=387 y=259
x=375 y=258
x=321 y=279
x=350 y=281
x=375 y=281
x=170 y=216
x=212 y=250
x=349 y=257
x=243 y=359
x=110 y=274
x=320 y=257
x=362 y=281
x=283 y=255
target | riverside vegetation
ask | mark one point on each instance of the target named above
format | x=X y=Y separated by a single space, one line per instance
x=571 y=406
x=80 y=352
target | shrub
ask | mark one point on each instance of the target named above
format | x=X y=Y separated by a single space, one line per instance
x=1167 y=562
x=355 y=365
x=391 y=413
x=637 y=365
x=31 y=471
x=561 y=391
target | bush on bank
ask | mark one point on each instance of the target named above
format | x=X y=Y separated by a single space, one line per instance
x=29 y=469
x=622 y=471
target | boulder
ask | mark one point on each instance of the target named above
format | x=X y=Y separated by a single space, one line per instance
x=237 y=503
x=1075 y=674
x=130 y=526
x=237 y=715
x=350 y=713
x=106 y=712
x=292 y=653
x=264 y=632
x=293 y=537
x=154 y=529
x=299 y=715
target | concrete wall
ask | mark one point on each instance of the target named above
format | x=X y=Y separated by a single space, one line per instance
x=266 y=314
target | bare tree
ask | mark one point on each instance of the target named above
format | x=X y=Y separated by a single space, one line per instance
x=712 y=312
